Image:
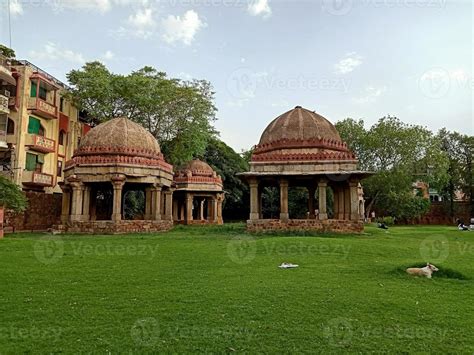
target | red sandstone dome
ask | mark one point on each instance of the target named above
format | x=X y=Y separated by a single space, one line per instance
x=301 y=135
x=119 y=141
x=197 y=168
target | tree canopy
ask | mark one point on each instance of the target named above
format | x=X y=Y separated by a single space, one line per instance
x=180 y=114
x=7 y=52
x=399 y=154
x=11 y=195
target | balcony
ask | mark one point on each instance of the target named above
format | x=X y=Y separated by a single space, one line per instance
x=4 y=104
x=40 y=143
x=42 y=108
x=34 y=178
x=3 y=140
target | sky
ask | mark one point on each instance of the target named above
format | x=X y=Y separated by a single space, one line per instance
x=363 y=59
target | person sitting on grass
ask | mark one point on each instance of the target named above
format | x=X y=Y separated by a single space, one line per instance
x=461 y=225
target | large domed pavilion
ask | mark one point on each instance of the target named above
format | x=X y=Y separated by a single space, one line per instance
x=301 y=148
x=115 y=158
x=198 y=196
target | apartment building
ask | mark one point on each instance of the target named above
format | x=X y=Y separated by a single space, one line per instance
x=39 y=126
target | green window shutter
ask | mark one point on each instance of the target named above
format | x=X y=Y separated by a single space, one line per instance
x=33 y=125
x=33 y=89
x=30 y=162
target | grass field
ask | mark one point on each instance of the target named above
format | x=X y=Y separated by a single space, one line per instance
x=218 y=289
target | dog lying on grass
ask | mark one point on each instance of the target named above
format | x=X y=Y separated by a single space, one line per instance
x=426 y=271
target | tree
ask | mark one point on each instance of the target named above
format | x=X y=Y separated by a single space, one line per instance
x=179 y=114
x=399 y=154
x=226 y=162
x=7 y=52
x=11 y=196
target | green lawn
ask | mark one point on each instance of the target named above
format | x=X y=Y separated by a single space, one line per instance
x=218 y=289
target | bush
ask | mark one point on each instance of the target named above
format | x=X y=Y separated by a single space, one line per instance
x=388 y=221
x=11 y=195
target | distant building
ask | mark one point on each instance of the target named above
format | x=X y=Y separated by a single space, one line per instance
x=39 y=127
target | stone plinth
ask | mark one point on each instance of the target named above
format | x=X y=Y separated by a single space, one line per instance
x=115 y=227
x=326 y=226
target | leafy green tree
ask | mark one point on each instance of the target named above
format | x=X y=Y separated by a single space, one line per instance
x=399 y=154
x=180 y=114
x=11 y=196
x=7 y=52
x=226 y=162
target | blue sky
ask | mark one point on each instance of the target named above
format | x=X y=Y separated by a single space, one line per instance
x=342 y=58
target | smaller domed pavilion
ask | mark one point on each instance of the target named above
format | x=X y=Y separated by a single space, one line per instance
x=302 y=149
x=198 y=196
x=116 y=158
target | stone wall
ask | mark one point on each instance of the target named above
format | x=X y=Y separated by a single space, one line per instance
x=115 y=227
x=44 y=210
x=328 y=225
x=438 y=214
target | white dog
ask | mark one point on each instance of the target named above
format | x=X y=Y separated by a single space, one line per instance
x=426 y=271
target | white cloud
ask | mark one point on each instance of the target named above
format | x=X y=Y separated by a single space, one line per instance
x=81 y=5
x=182 y=29
x=142 y=23
x=16 y=8
x=371 y=95
x=51 y=51
x=108 y=55
x=259 y=8
x=348 y=63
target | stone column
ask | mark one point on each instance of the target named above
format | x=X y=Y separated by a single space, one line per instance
x=220 y=200
x=86 y=204
x=215 y=207
x=169 y=205
x=156 y=203
x=93 y=211
x=347 y=203
x=117 y=182
x=323 y=214
x=340 y=204
x=354 y=200
x=311 y=191
x=76 y=207
x=66 y=201
x=284 y=215
x=189 y=208
x=148 y=202
x=201 y=210
x=254 y=205
x=175 y=210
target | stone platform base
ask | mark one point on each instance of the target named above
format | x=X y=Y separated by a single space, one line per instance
x=328 y=225
x=197 y=222
x=114 y=227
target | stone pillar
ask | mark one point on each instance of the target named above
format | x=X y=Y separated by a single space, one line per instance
x=156 y=203
x=201 y=210
x=254 y=203
x=347 y=203
x=220 y=200
x=311 y=191
x=86 y=204
x=189 y=208
x=340 y=204
x=148 y=202
x=354 y=200
x=284 y=215
x=93 y=211
x=323 y=214
x=169 y=205
x=117 y=182
x=66 y=201
x=215 y=207
x=76 y=206
x=175 y=210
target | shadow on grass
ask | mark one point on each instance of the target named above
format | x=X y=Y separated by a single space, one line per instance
x=442 y=273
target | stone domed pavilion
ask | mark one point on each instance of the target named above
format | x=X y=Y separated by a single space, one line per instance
x=113 y=159
x=198 y=196
x=301 y=148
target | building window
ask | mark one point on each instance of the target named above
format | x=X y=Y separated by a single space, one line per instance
x=34 y=162
x=43 y=92
x=61 y=104
x=10 y=126
x=34 y=125
x=61 y=137
x=60 y=168
x=33 y=89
